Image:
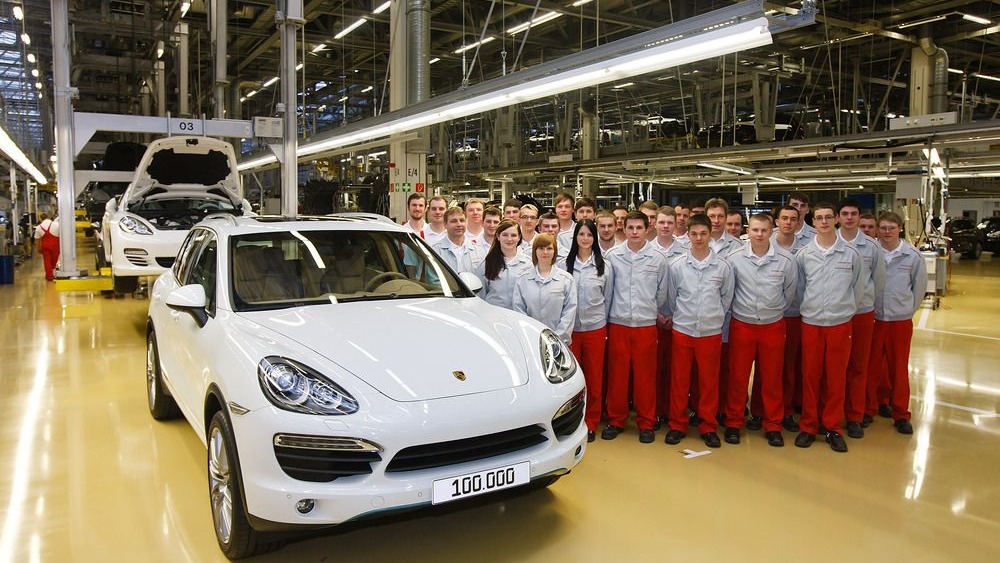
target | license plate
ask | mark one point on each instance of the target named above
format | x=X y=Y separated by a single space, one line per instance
x=472 y=484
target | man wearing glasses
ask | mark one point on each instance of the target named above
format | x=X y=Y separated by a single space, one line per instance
x=831 y=287
x=527 y=219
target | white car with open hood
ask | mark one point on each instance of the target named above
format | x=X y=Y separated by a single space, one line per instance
x=337 y=369
x=178 y=182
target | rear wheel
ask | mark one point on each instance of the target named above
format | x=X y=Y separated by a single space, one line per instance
x=237 y=539
x=124 y=284
x=161 y=405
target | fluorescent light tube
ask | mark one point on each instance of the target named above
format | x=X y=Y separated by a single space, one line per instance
x=368 y=89
x=299 y=66
x=26 y=38
x=270 y=82
x=976 y=19
x=434 y=60
x=679 y=48
x=923 y=21
x=18 y=13
x=31 y=58
x=318 y=48
x=382 y=7
x=485 y=40
x=726 y=168
x=343 y=33
x=986 y=77
x=185 y=6
x=544 y=18
x=14 y=152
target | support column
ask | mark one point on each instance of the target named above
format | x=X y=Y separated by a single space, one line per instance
x=409 y=31
x=64 y=95
x=182 y=69
x=15 y=217
x=160 y=81
x=219 y=34
x=288 y=23
x=590 y=146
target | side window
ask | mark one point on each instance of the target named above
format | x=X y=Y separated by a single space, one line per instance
x=189 y=250
x=203 y=272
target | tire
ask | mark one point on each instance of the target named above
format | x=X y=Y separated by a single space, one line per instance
x=123 y=285
x=161 y=405
x=237 y=539
x=977 y=251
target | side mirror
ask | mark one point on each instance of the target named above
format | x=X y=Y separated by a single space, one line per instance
x=471 y=281
x=190 y=299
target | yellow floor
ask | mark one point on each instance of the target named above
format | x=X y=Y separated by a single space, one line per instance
x=87 y=475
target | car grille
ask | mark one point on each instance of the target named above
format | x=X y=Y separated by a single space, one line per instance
x=137 y=256
x=165 y=262
x=466 y=449
x=567 y=423
x=324 y=465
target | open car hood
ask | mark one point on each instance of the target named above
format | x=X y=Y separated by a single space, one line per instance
x=188 y=164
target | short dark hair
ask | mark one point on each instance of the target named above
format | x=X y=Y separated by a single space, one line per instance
x=699 y=219
x=548 y=215
x=849 y=202
x=717 y=202
x=413 y=196
x=585 y=202
x=824 y=205
x=649 y=204
x=799 y=197
x=762 y=217
x=562 y=196
x=512 y=202
x=638 y=215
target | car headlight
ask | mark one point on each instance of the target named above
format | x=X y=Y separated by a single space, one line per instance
x=994 y=234
x=558 y=363
x=130 y=225
x=292 y=386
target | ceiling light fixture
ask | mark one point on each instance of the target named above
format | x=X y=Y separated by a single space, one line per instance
x=14 y=152
x=544 y=18
x=270 y=82
x=299 y=66
x=31 y=58
x=343 y=33
x=34 y=72
x=26 y=38
x=726 y=168
x=485 y=40
x=976 y=19
x=185 y=6
x=18 y=13
x=625 y=85
x=434 y=60
x=382 y=7
x=159 y=49
x=368 y=89
x=318 y=48
x=735 y=28
x=956 y=71
x=986 y=77
x=931 y=19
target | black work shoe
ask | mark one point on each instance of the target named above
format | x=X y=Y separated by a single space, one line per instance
x=867 y=421
x=674 y=437
x=836 y=442
x=720 y=418
x=711 y=439
x=854 y=430
x=611 y=432
x=903 y=426
x=732 y=435
x=694 y=419
x=885 y=411
x=789 y=424
x=646 y=436
x=775 y=439
x=804 y=440
x=657 y=423
x=591 y=436
x=755 y=423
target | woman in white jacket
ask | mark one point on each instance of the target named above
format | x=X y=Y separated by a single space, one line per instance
x=503 y=266
x=547 y=293
x=594 y=278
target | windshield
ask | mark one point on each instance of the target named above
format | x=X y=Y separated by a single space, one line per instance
x=291 y=268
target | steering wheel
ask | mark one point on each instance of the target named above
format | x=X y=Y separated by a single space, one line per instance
x=382 y=278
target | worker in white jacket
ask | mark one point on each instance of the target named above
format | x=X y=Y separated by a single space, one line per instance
x=546 y=293
x=503 y=266
x=905 y=286
x=461 y=254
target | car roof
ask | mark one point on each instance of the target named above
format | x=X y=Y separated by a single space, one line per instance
x=228 y=224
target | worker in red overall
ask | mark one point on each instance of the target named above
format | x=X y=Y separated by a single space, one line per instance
x=47 y=234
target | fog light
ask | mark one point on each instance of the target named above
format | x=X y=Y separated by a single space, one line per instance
x=305 y=505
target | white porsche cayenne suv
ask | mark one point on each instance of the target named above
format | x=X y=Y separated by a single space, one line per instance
x=179 y=181
x=335 y=368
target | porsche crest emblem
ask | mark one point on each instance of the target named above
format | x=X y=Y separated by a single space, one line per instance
x=459 y=375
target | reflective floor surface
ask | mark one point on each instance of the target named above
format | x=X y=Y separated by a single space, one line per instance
x=87 y=475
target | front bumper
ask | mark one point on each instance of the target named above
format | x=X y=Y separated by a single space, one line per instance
x=271 y=495
x=144 y=255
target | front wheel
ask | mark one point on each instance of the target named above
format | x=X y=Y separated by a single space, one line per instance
x=124 y=284
x=237 y=539
x=161 y=405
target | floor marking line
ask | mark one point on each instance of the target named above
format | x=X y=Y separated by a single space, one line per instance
x=924 y=315
x=959 y=333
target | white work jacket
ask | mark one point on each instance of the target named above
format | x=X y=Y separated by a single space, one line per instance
x=461 y=258
x=905 y=284
x=593 y=293
x=765 y=285
x=640 y=286
x=872 y=255
x=831 y=285
x=500 y=291
x=701 y=294
x=551 y=301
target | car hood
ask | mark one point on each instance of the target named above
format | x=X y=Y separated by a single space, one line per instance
x=187 y=164
x=415 y=349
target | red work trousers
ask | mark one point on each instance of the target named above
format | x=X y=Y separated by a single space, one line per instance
x=764 y=344
x=588 y=347
x=663 y=376
x=878 y=392
x=48 y=247
x=862 y=326
x=893 y=339
x=792 y=379
x=720 y=387
x=635 y=348
x=825 y=353
x=703 y=352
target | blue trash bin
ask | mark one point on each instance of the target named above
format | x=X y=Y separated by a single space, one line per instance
x=6 y=270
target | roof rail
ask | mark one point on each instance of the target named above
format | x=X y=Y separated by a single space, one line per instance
x=361 y=216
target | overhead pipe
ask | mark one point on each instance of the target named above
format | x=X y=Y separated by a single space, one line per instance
x=939 y=71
